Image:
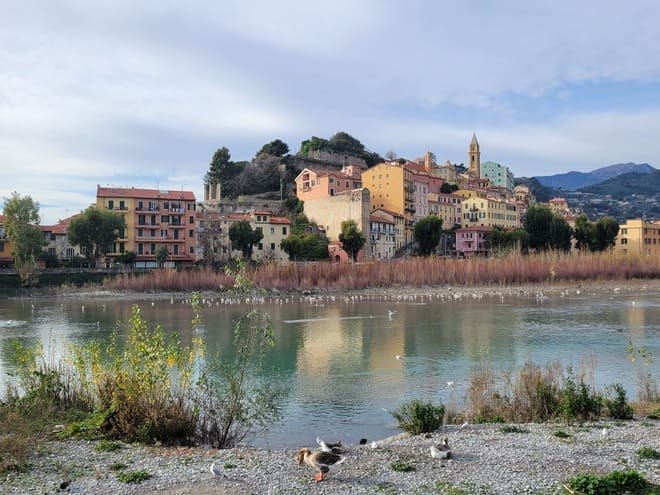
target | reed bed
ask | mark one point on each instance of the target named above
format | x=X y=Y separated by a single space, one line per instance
x=511 y=269
x=169 y=280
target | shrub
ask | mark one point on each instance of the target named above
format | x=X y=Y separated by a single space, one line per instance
x=614 y=483
x=417 y=417
x=578 y=401
x=648 y=453
x=618 y=408
x=118 y=466
x=402 y=467
x=133 y=476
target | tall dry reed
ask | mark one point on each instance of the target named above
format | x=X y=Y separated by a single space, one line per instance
x=412 y=272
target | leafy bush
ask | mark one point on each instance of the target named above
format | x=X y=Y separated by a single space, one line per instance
x=614 y=483
x=402 y=467
x=417 y=417
x=618 y=408
x=133 y=476
x=648 y=453
x=578 y=401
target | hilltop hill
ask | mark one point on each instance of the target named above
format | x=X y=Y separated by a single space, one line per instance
x=541 y=193
x=629 y=184
x=575 y=180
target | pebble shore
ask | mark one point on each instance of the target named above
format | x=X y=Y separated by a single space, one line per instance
x=485 y=460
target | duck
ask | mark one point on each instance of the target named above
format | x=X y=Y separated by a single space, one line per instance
x=441 y=451
x=321 y=461
x=335 y=448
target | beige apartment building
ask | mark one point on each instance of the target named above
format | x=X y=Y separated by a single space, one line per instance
x=638 y=237
x=487 y=212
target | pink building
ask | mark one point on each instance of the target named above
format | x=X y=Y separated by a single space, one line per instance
x=317 y=183
x=471 y=241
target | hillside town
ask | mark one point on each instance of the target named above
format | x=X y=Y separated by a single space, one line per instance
x=385 y=201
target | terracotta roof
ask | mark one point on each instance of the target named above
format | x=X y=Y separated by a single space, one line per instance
x=132 y=192
x=393 y=213
x=248 y=217
x=376 y=218
x=483 y=228
x=280 y=220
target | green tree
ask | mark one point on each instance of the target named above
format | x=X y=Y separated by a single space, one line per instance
x=584 y=233
x=605 y=232
x=427 y=234
x=306 y=246
x=448 y=188
x=161 y=255
x=22 y=227
x=243 y=238
x=274 y=148
x=222 y=170
x=313 y=144
x=537 y=223
x=95 y=231
x=343 y=142
x=502 y=240
x=560 y=234
x=351 y=238
x=126 y=258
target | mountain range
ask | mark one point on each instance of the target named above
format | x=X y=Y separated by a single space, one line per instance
x=575 y=180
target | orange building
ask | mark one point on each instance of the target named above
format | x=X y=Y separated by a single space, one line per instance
x=153 y=218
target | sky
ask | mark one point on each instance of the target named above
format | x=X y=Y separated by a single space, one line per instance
x=130 y=93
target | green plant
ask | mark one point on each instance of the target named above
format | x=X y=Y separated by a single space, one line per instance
x=578 y=401
x=107 y=446
x=513 y=429
x=118 y=466
x=614 y=483
x=648 y=453
x=618 y=407
x=417 y=417
x=562 y=434
x=235 y=397
x=402 y=467
x=133 y=476
x=229 y=465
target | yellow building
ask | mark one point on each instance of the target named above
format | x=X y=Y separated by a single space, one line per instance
x=488 y=212
x=153 y=218
x=392 y=188
x=6 y=251
x=638 y=237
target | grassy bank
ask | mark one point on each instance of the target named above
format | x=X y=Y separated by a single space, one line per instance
x=413 y=272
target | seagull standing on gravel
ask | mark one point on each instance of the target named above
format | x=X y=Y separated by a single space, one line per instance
x=216 y=471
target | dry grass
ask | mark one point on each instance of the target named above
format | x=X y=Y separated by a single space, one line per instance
x=414 y=272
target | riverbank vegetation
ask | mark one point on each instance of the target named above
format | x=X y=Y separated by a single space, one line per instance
x=151 y=389
x=508 y=269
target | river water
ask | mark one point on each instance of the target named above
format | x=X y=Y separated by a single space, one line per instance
x=336 y=355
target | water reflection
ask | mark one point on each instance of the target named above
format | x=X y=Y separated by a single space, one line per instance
x=338 y=360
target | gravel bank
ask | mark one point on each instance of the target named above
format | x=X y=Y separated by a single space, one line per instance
x=485 y=460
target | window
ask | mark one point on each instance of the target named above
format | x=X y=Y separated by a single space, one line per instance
x=153 y=232
x=176 y=249
x=122 y=247
x=192 y=250
x=261 y=246
x=122 y=205
x=165 y=219
x=140 y=205
x=2 y=245
x=166 y=205
x=191 y=219
x=111 y=205
x=283 y=230
x=190 y=233
x=142 y=220
x=272 y=230
x=139 y=232
x=140 y=248
x=272 y=246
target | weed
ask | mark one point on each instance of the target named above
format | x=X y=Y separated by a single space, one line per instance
x=578 y=400
x=610 y=484
x=562 y=434
x=107 y=446
x=402 y=467
x=229 y=465
x=513 y=429
x=118 y=466
x=417 y=417
x=133 y=476
x=648 y=453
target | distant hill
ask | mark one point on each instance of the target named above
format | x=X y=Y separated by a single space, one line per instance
x=576 y=180
x=626 y=185
x=542 y=193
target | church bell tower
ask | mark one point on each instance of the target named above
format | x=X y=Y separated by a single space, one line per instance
x=474 y=158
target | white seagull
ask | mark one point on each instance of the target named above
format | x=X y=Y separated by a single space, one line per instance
x=216 y=471
x=333 y=448
x=441 y=451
